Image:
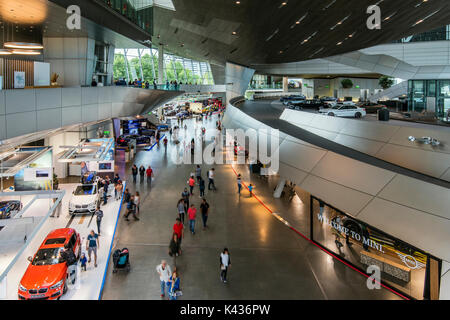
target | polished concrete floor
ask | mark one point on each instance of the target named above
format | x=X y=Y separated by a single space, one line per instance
x=269 y=261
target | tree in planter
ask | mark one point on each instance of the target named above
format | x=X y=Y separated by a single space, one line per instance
x=385 y=82
x=347 y=83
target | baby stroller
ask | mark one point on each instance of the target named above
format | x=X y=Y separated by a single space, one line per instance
x=121 y=260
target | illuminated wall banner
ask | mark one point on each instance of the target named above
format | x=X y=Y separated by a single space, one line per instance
x=403 y=267
x=37 y=175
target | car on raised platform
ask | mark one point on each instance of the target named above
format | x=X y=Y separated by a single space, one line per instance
x=307 y=104
x=124 y=140
x=8 y=207
x=292 y=99
x=46 y=277
x=344 y=110
x=85 y=199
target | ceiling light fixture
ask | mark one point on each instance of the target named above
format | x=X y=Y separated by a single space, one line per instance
x=23 y=45
x=26 y=52
x=5 y=52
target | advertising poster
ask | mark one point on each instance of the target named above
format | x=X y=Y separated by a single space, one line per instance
x=19 y=79
x=37 y=175
x=402 y=266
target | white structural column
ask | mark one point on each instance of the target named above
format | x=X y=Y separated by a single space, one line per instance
x=237 y=79
x=161 y=64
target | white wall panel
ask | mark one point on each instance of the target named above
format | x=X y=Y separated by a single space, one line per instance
x=89 y=113
x=71 y=97
x=402 y=135
x=18 y=124
x=104 y=111
x=48 y=98
x=346 y=199
x=300 y=156
x=418 y=194
x=364 y=129
x=352 y=173
x=71 y=115
x=48 y=119
x=22 y=100
x=431 y=163
x=2 y=102
x=2 y=127
x=366 y=146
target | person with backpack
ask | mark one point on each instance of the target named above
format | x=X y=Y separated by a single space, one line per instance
x=127 y=196
x=131 y=209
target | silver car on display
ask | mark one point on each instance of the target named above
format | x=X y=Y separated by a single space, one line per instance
x=344 y=110
x=84 y=199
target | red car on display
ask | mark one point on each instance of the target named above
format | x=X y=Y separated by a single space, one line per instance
x=46 y=276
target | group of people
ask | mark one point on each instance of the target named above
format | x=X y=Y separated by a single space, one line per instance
x=133 y=203
x=142 y=173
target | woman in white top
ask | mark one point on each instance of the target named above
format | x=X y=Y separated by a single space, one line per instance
x=137 y=201
x=225 y=263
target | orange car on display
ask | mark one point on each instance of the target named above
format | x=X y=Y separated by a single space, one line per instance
x=46 y=276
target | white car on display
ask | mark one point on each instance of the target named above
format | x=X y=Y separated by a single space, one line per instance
x=344 y=110
x=84 y=199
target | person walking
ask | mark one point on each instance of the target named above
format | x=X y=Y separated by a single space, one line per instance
x=134 y=171
x=185 y=195
x=99 y=215
x=131 y=209
x=118 y=190
x=127 y=196
x=211 y=175
x=149 y=173
x=105 y=191
x=204 y=208
x=142 y=173
x=137 y=202
x=192 y=213
x=250 y=189
x=191 y=182
x=92 y=244
x=225 y=263
x=202 y=188
x=164 y=272
x=174 y=286
x=69 y=257
x=178 y=229
x=174 y=248
x=198 y=173
x=181 y=209
x=239 y=183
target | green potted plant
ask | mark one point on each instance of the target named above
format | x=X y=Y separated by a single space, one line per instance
x=347 y=83
x=385 y=82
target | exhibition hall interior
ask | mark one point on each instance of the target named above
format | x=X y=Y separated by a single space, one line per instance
x=224 y=150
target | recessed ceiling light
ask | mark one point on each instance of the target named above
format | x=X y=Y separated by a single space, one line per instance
x=234 y=33
x=238 y=2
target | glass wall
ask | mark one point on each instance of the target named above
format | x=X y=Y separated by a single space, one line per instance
x=140 y=12
x=430 y=96
x=260 y=81
x=131 y=64
x=439 y=34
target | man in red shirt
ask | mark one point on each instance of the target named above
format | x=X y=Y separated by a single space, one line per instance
x=178 y=229
x=191 y=185
x=192 y=213
x=149 y=175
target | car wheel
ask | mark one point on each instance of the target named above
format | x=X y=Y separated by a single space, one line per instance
x=358 y=115
x=331 y=114
x=79 y=252
x=65 y=287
